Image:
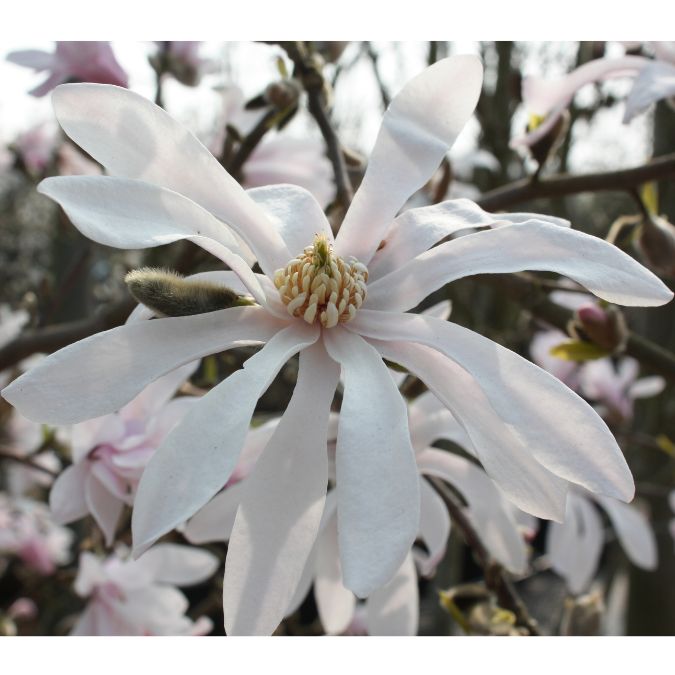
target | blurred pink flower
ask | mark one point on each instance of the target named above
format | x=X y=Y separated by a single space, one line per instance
x=110 y=453
x=129 y=597
x=343 y=303
x=72 y=62
x=183 y=61
x=36 y=146
x=71 y=162
x=27 y=531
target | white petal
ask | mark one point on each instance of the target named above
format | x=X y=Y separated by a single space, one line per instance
x=507 y=460
x=394 y=608
x=417 y=230
x=334 y=602
x=104 y=507
x=655 y=82
x=103 y=372
x=560 y=429
x=646 y=387
x=295 y=213
x=434 y=528
x=633 y=530
x=197 y=458
x=278 y=519
x=132 y=214
x=133 y=138
x=32 y=58
x=491 y=518
x=214 y=522
x=377 y=482
x=179 y=565
x=602 y=268
x=574 y=546
x=417 y=130
x=437 y=426
x=66 y=499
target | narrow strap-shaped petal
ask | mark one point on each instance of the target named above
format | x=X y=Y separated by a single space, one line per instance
x=295 y=213
x=633 y=530
x=507 y=460
x=601 y=267
x=418 y=128
x=655 y=82
x=646 y=387
x=133 y=138
x=103 y=506
x=560 y=429
x=198 y=456
x=179 y=565
x=434 y=528
x=103 y=372
x=394 y=608
x=417 y=230
x=66 y=499
x=31 y=58
x=133 y=214
x=334 y=602
x=574 y=546
x=492 y=519
x=377 y=482
x=214 y=521
x=281 y=508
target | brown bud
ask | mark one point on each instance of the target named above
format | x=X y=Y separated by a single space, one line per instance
x=605 y=327
x=548 y=145
x=283 y=94
x=656 y=242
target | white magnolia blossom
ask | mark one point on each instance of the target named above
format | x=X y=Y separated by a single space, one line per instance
x=655 y=82
x=392 y=609
x=139 y=597
x=574 y=546
x=341 y=302
x=109 y=453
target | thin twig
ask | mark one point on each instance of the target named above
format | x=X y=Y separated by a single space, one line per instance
x=250 y=142
x=374 y=58
x=496 y=578
x=27 y=462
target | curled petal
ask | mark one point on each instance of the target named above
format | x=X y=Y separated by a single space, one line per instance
x=419 y=127
x=656 y=81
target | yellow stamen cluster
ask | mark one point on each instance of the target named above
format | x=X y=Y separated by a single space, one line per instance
x=320 y=285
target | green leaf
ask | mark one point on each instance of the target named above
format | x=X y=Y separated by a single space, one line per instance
x=576 y=350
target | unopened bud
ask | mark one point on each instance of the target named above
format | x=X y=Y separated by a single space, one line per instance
x=169 y=294
x=283 y=94
x=656 y=242
x=604 y=327
x=583 y=615
x=548 y=145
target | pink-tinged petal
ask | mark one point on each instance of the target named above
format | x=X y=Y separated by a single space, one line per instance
x=491 y=517
x=179 y=565
x=197 y=458
x=133 y=138
x=57 y=77
x=655 y=82
x=66 y=499
x=132 y=214
x=215 y=521
x=434 y=528
x=90 y=573
x=394 y=608
x=162 y=424
x=377 y=482
x=281 y=508
x=88 y=621
x=110 y=480
x=633 y=530
x=646 y=387
x=102 y=373
x=295 y=213
x=418 y=128
x=506 y=458
x=561 y=430
x=31 y=58
x=537 y=245
x=417 y=230
x=334 y=602
x=104 y=507
x=85 y=436
x=574 y=546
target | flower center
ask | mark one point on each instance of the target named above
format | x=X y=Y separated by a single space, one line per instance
x=320 y=285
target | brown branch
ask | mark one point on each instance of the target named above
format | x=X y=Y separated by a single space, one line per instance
x=27 y=462
x=560 y=186
x=496 y=578
x=313 y=82
x=250 y=142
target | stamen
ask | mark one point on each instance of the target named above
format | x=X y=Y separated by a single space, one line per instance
x=320 y=285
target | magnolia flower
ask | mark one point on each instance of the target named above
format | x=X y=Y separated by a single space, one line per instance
x=656 y=81
x=546 y=99
x=110 y=453
x=36 y=146
x=342 y=304
x=27 y=531
x=182 y=60
x=280 y=157
x=393 y=608
x=78 y=61
x=574 y=546
x=140 y=597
